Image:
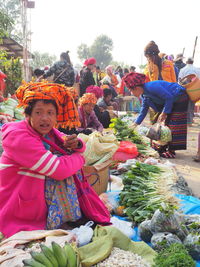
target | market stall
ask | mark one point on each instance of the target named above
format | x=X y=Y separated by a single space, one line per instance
x=155 y=220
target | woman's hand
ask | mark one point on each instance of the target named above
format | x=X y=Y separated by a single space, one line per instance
x=71 y=141
x=162 y=117
x=133 y=126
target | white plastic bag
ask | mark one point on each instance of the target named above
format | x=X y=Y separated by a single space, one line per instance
x=84 y=233
x=124 y=226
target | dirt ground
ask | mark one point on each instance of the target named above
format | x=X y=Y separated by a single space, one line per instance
x=185 y=165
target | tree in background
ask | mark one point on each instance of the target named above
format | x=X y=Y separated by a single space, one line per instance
x=13 y=69
x=83 y=52
x=101 y=50
x=12 y=9
x=41 y=60
x=6 y=24
x=10 y=66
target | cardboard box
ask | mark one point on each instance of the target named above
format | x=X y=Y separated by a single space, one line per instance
x=98 y=176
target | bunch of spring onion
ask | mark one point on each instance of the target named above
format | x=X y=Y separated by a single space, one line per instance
x=144 y=192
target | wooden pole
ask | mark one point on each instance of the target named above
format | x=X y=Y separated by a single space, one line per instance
x=195 y=44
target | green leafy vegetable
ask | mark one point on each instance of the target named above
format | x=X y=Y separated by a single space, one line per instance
x=140 y=194
x=175 y=255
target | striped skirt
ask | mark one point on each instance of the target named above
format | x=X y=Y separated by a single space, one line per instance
x=177 y=122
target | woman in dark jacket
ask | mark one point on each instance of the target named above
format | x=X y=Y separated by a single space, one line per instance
x=62 y=70
x=86 y=75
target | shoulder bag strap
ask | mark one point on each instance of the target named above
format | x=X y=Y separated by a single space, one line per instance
x=60 y=74
x=53 y=145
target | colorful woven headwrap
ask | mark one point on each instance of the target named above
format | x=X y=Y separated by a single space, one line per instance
x=73 y=92
x=96 y=90
x=87 y=99
x=67 y=111
x=134 y=79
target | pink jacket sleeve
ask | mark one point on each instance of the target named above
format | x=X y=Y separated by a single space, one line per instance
x=28 y=152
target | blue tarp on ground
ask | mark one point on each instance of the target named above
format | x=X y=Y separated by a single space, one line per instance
x=189 y=205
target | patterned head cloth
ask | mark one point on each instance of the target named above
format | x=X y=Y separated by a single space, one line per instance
x=96 y=90
x=73 y=92
x=67 y=111
x=87 y=99
x=134 y=79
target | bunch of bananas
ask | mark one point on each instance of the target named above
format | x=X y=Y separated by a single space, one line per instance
x=56 y=256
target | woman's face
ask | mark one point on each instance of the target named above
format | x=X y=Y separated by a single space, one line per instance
x=92 y=67
x=88 y=108
x=43 y=117
x=137 y=91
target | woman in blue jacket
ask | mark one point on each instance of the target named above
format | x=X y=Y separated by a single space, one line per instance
x=170 y=100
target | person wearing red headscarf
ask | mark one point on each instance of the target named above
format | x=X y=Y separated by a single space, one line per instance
x=170 y=101
x=86 y=75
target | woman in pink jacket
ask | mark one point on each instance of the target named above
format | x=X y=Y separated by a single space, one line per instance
x=27 y=159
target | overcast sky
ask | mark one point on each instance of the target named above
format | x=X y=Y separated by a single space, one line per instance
x=63 y=25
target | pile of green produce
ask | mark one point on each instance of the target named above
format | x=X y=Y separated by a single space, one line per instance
x=56 y=256
x=124 y=133
x=174 y=256
x=143 y=194
x=169 y=226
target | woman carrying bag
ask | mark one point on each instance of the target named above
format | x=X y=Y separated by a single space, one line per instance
x=170 y=100
x=40 y=166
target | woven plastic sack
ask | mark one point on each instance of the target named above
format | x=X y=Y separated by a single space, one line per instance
x=99 y=148
x=6 y=109
x=19 y=113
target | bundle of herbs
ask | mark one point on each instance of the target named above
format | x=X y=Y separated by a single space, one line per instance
x=175 y=255
x=144 y=192
x=124 y=133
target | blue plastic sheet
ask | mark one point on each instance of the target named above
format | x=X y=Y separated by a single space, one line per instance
x=189 y=205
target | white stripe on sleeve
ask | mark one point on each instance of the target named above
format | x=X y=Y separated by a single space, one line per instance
x=48 y=165
x=54 y=168
x=40 y=161
x=32 y=175
x=4 y=166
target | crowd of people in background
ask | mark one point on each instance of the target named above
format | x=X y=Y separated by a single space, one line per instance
x=111 y=93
